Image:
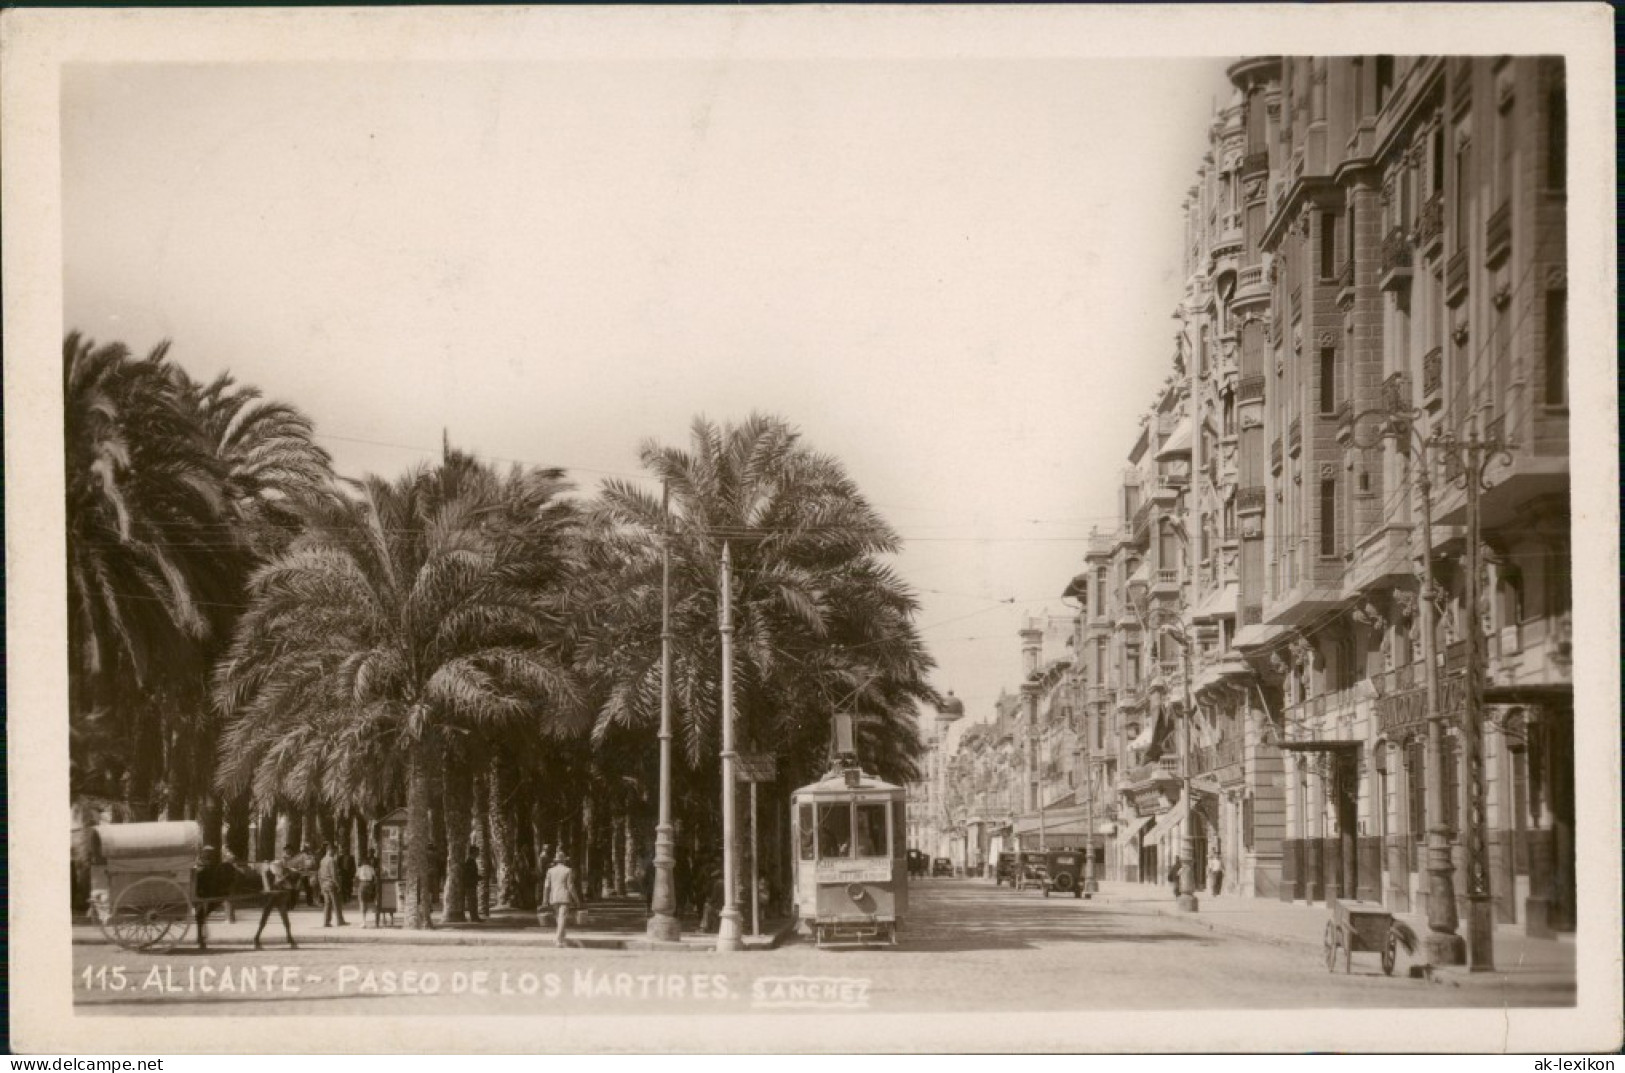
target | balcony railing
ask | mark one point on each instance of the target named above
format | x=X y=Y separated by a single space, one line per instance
x=1250 y=500
x=1252 y=614
x=1168 y=577
x=1430 y=223
x=1249 y=388
x=1433 y=376
x=1253 y=163
x=1396 y=260
x=1455 y=276
x=1275 y=455
x=1294 y=436
x=1498 y=235
x=1250 y=279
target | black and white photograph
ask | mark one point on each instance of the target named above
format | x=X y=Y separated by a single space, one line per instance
x=812 y=529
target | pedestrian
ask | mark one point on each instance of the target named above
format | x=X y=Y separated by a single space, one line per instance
x=305 y=865
x=367 y=877
x=559 y=893
x=1215 y=873
x=281 y=888
x=1173 y=875
x=327 y=876
x=471 y=884
x=346 y=875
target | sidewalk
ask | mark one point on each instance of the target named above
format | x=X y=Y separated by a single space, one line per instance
x=611 y=924
x=1297 y=924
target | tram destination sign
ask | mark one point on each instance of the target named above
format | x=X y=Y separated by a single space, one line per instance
x=755 y=767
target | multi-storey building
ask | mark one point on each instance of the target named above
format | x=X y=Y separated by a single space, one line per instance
x=931 y=826
x=1415 y=231
x=1375 y=282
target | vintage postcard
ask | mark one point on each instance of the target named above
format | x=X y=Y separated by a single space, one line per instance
x=925 y=529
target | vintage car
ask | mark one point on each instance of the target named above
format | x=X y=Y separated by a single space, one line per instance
x=942 y=866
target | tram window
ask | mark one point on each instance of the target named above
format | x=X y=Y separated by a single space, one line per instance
x=804 y=829
x=872 y=831
x=835 y=830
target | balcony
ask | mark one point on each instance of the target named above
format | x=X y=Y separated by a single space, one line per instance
x=1250 y=500
x=1433 y=378
x=1455 y=278
x=1250 y=388
x=1498 y=235
x=1167 y=582
x=1396 y=261
x=1344 y=418
x=1252 y=614
x=1275 y=455
x=1430 y=225
x=1294 y=437
x=1250 y=283
x=1255 y=163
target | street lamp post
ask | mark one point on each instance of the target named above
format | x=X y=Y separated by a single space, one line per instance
x=728 y=938
x=663 y=924
x=1442 y=945
x=1090 y=886
x=1186 y=898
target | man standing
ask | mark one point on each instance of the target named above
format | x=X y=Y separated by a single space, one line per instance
x=327 y=876
x=559 y=892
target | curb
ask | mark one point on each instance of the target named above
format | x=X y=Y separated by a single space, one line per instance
x=697 y=943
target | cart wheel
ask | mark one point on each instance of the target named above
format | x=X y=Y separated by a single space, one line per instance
x=1390 y=951
x=152 y=913
x=1331 y=946
x=1348 y=952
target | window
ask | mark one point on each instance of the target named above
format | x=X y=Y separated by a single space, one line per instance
x=1505 y=144
x=835 y=830
x=804 y=831
x=1352 y=244
x=1328 y=245
x=1100 y=661
x=1328 y=380
x=1557 y=349
x=1100 y=590
x=871 y=831
x=1459 y=217
x=1436 y=157
x=1557 y=138
x=1131 y=660
x=1385 y=79
x=1328 y=518
x=1416 y=783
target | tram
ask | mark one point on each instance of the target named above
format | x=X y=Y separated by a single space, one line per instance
x=851 y=869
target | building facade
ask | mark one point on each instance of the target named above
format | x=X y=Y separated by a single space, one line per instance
x=1366 y=407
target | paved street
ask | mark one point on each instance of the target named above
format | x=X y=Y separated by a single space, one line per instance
x=969 y=946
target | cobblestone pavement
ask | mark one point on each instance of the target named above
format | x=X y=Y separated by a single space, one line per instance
x=969 y=947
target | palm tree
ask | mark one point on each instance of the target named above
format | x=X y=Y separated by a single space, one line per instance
x=402 y=624
x=821 y=624
x=152 y=562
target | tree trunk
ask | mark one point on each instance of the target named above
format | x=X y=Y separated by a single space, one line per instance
x=504 y=834
x=457 y=804
x=480 y=799
x=236 y=834
x=419 y=874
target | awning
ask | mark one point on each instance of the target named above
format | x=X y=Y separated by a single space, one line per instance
x=1257 y=636
x=1133 y=827
x=1168 y=820
x=1178 y=441
x=1323 y=745
x=1222 y=601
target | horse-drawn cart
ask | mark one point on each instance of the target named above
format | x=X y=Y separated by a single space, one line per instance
x=1364 y=927
x=148 y=883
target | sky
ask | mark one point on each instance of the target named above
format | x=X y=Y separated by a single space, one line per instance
x=957 y=276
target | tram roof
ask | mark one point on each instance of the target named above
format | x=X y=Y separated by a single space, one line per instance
x=835 y=782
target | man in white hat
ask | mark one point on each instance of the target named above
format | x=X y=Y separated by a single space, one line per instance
x=559 y=892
